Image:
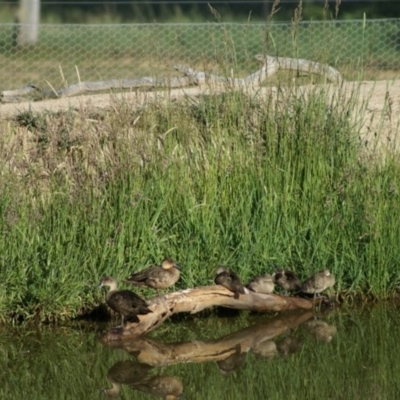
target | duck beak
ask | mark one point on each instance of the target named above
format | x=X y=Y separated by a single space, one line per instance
x=100 y=285
x=177 y=266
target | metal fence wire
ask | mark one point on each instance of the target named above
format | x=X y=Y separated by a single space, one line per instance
x=65 y=54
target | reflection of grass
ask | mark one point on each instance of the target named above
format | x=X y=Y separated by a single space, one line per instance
x=120 y=51
x=227 y=179
x=361 y=362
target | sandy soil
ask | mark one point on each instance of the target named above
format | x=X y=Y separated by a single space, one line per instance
x=381 y=99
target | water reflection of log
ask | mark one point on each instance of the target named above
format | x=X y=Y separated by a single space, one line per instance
x=198 y=299
x=158 y=354
x=137 y=377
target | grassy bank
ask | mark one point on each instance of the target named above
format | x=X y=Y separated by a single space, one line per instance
x=225 y=179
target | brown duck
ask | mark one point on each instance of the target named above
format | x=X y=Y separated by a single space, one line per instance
x=261 y=284
x=287 y=280
x=319 y=282
x=157 y=276
x=230 y=280
x=124 y=302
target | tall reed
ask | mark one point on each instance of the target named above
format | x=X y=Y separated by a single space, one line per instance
x=251 y=182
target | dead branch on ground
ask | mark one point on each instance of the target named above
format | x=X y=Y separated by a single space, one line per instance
x=271 y=65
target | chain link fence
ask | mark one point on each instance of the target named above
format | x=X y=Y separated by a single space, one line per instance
x=66 y=54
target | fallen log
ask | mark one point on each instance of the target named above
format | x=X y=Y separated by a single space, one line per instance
x=195 y=300
x=191 y=77
x=300 y=65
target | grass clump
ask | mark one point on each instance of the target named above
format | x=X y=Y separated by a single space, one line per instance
x=246 y=181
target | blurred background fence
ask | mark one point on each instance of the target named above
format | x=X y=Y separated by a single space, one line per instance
x=65 y=53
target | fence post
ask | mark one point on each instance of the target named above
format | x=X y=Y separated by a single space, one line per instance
x=29 y=17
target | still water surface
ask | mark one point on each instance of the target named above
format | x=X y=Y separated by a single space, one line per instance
x=347 y=354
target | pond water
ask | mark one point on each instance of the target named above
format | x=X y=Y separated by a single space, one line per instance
x=346 y=354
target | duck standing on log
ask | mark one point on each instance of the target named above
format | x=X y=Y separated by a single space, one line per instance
x=126 y=303
x=261 y=284
x=230 y=280
x=157 y=276
x=319 y=282
x=287 y=280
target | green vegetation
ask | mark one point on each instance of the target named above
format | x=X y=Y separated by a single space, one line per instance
x=244 y=181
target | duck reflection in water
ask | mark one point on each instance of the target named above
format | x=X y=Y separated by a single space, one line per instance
x=266 y=349
x=157 y=276
x=137 y=377
x=163 y=386
x=284 y=347
x=233 y=362
x=230 y=280
x=228 y=352
x=126 y=303
x=289 y=345
x=125 y=373
x=323 y=331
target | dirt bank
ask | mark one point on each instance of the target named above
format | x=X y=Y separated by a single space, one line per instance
x=380 y=98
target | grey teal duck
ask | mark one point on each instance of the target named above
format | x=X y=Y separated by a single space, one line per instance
x=287 y=280
x=319 y=282
x=230 y=280
x=126 y=303
x=157 y=276
x=261 y=284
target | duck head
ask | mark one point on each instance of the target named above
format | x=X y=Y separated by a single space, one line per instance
x=108 y=281
x=221 y=270
x=169 y=263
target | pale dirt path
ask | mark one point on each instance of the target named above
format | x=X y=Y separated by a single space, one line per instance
x=376 y=95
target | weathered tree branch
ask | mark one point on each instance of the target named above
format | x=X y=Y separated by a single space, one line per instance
x=191 y=77
x=198 y=299
x=300 y=65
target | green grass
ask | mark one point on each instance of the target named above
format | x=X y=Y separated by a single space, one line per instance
x=225 y=179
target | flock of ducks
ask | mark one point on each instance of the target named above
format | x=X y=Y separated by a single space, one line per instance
x=130 y=305
x=286 y=279
x=127 y=303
